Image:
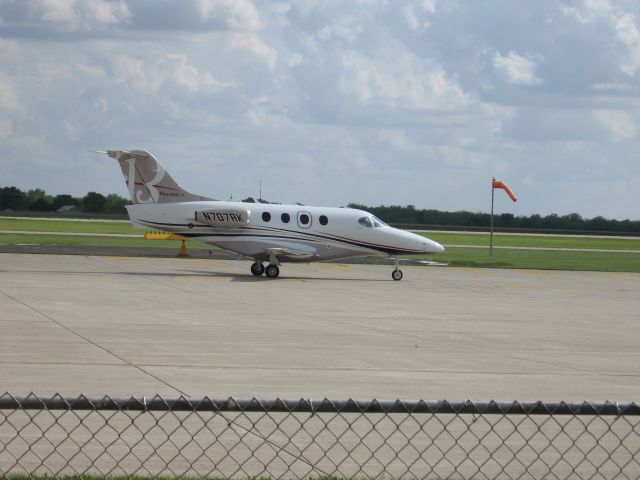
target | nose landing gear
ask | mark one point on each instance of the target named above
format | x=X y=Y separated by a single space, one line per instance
x=397 y=273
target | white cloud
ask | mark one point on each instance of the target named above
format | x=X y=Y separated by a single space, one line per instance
x=347 y=28
x=80 y=14
x=132 y=71
x=150 y=75
x=619 y=123
x=589 y=10
x=612 y=87
x=72 y=129
x=428 y=5
x=516 y=69
x=412 y=19
x=496 y=116
x=622 y=22
x=237 y=14
x=92 y=71
x=402 y=82
x=294 y=59
x=187 y=76
x=251 y=43
x=417 y=105
x=628 y=34
x=415 y=15
x=398 y=139
x=458 y=157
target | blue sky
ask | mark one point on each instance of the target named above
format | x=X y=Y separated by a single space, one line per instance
x=331 y=102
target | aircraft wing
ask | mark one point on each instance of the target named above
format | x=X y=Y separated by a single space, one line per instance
x=292 y=252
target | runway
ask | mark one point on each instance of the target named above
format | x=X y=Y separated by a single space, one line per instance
x=140 y=326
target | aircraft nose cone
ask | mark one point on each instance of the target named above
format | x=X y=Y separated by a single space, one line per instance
x=432 y=247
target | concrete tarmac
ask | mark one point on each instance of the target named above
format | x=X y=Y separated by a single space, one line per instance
x=140 y=326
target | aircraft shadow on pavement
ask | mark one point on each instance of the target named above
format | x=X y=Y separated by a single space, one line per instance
x=236 y=277
x=242 y=277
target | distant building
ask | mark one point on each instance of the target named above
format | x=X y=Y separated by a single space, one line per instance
x=69 y=209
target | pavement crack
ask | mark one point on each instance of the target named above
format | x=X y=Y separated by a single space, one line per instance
x=92 y=342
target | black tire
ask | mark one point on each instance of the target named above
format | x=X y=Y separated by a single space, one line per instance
x=272 y=271
x=257 y=269
x=396 y=275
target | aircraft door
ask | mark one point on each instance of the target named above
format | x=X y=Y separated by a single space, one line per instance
x=304 y=219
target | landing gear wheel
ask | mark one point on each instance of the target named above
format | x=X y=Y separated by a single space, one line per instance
x=272 y=271
x=257 y=269
x=396 y=274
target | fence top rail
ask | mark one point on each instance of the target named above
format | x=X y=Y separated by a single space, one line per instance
x=307 y=405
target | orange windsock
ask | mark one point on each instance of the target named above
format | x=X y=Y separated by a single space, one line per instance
x=505 y=187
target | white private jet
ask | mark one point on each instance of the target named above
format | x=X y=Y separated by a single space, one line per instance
x=272 y=233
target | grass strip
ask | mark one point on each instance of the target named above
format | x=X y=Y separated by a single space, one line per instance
x=66 y=226
x=27 y=239
x=535 y=241
x=461 y=257
x=538 y=259
x=443 y=238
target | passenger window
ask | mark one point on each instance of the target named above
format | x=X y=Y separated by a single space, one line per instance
x=304 y=219
x=285 y=218
x=365 y=222
x=266 y=216
x=323 y=220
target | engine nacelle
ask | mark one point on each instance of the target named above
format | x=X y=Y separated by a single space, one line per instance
x=224 y=217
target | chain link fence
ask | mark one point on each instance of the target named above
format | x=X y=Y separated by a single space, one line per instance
x=233 y=438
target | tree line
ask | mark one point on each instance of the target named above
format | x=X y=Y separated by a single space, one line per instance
x=410 y=215
x=37 y=200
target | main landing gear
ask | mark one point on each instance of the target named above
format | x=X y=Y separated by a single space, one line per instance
x=271 y=271
x=257 y=269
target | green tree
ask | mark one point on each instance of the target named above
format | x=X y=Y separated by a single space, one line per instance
x=40 y=205
x=115 y=204
x=94 y=202
x=34 y=195
x=64 y=200
x=12 y=198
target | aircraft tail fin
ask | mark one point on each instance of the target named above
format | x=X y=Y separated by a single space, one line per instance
x=147 y=181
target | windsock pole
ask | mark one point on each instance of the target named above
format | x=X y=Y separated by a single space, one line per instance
x=491 y=236
x=512 y=196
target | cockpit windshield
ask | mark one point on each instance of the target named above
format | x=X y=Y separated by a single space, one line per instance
x=371 y=222
x=377 y=222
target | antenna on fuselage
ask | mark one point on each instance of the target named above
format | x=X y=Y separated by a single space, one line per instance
x=260 y=195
